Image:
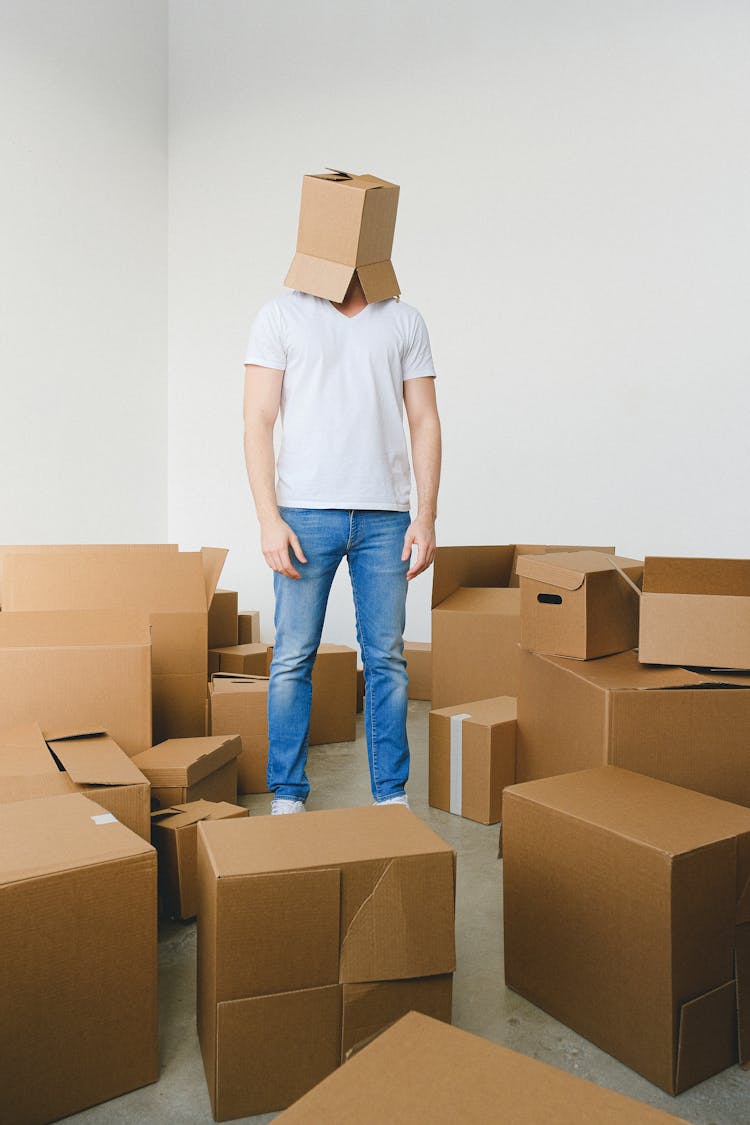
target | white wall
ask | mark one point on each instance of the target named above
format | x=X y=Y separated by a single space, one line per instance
x=83 y=274
x=573 y=225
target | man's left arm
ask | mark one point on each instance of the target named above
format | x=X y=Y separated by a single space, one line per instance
x=424 y=428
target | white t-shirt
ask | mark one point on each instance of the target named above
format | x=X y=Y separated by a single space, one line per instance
x=343 y=443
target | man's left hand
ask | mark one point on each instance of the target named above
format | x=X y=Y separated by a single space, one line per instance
x=420 y=534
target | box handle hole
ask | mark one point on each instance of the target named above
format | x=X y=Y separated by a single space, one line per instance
x=549 y=599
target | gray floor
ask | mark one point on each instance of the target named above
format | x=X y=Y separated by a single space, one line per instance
x=482 y=1004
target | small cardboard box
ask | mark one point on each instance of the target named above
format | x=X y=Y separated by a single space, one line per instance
x=175 y=837
x=239 y=704
x=333 y=717
x=418 y=656
x=74 y=671
x=244 y=660
x=627 y=916
x=248 y=625
x=696 y=612
x=346 y=223
x=670 y=723
x=78 y=970
x=192 y=769
x=578 y=604
x=82 y=762
x=223 y=629
x=476 y=620
x=323 y=901
x=473 y=757
x=440 y=1075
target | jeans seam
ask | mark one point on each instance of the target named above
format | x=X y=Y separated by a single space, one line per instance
x=373 y=738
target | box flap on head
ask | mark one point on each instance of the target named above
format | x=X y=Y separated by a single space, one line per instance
x=454 y=567
x=569 y=569
x=96 y=759
x=378 y=281
x=319 y=277
x=727 y=577
x=213 y=559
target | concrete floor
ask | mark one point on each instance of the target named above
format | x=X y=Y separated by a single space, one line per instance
x=482 y=1004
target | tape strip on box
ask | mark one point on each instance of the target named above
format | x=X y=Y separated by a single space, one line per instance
x=456 y=798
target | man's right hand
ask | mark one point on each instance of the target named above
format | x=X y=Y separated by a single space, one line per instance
x=276 y=537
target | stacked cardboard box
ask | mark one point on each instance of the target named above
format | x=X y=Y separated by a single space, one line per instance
x=418 y=656
x=239 y=705
x=313 y=932
x=248 y=627
x=223 y=627
x=473 y=757
x=244 y=660
x=192 y=769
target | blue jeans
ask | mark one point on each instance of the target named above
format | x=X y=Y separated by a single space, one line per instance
x=372 y=542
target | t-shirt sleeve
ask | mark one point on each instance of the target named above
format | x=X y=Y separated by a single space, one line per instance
x=417 y=362
x=266 y=347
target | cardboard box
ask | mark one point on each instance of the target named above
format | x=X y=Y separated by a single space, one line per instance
x=78 y=671
x=78 y=970
x=174 y=588
x=239 y=705
x=175 y=837
x=696 y=612
x=439 y=1075
x=346 y=223
x=244 y=660
x=670 y=723
x=223 y=629
x=627 y=916
x=44 y=548
x=192 y=769
x=473 y=757
x=367 y=1008
x=418 y=656
x=323 y=901
x=476 y=620
x=82 y=762
x=248 y=625
x=578 y=604
x=333 y=717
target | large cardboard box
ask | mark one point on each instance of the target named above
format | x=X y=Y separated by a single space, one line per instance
x=175 y=837
x=223 y=629
x=321 y=902
x=473 y=757
x=346 y=223
x=248 y=627
x=78 y=967
x=476 y=620
x=627 y=917
x=192 y=769
x=239 y=705
x=333 y=716
x=670 y=723
x=578 y=603
x=418 y=655
x=174 y=588
x=44 y=548
x=440 y=1075
x=244 y=660
x=78 y=671
x=82 y=762
x=696 y=612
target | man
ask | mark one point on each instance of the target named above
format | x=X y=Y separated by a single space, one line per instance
x=341 y=373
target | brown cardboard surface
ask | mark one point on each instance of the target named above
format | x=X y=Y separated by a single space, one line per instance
x=671 y=723
x=239 y=705
x=184 y=761
x=577 y=604
x=333 y=717
x=487 y=758
x=78 y=671
x=440 y=1075
x=174 y=835
x=244 y=659
x=368 y=1009
x=638 y=882
x=248 y=624
x=45 y=548
x=418 y=656
x=223 y=619
x=90 y=889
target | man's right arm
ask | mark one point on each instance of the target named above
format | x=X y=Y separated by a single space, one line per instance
x=262 y=401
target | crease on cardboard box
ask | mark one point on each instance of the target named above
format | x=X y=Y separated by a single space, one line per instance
x=362 y=906
x=706 y=1043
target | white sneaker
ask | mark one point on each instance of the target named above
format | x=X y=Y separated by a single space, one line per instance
x=281 y=805
x=401 y=799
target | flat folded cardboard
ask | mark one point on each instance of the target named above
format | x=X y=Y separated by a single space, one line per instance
x=476 y=620
x=223 y=622
x=333 y=716
x=192 y=769
x=239 y=705
x=78 y=671
x=78 y=970
x=473 y=757
x=578 y=604
x=175 y=837
x=80 y=762
x=418 y=655
x=248 y=627
x=696 y=612
x=346 y=224
x=174 y=588
x=440 y=1075
x=245 y=660
x=323 y=901
x=671 y=723
x=627 y=912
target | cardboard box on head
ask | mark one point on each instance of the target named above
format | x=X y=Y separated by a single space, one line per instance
x=346 y=225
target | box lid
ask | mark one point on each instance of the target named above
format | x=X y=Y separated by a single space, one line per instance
x=73 y=628
x=569 y=569
x=95 y=759
x=184 y=761
x=265 y=844
x=182 y=816
x=666 y=575
x=485 y=712
x=623 y=672
x=54 y=834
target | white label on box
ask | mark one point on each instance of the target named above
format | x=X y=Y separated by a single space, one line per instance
x=457 y=729
x=104 y=818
